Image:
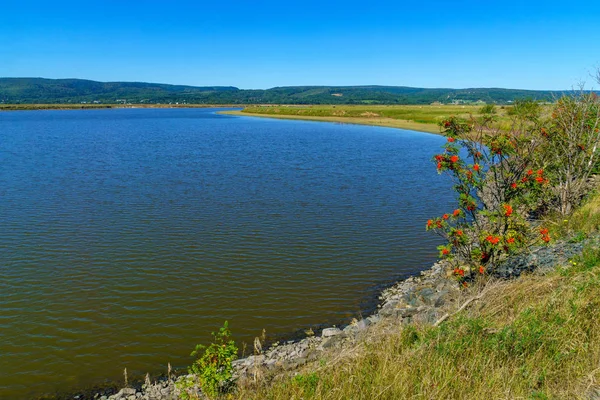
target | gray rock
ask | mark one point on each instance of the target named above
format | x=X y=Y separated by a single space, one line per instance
x=542 y=259
x=389 y=309
x=363 y=324
x=329 y=332
x=439 y=299
x=425 y=292
x=412 y=299
x=429 y=316
x=390 y=304
x=351 y=330
x=333 y=341
x=408 y=312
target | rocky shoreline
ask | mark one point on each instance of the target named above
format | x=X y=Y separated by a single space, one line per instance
x=421 y=299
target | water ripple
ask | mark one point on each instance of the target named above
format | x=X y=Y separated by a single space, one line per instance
x=129 y=235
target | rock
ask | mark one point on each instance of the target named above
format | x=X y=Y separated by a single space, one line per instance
x=425 y=293
x=329 y=332
x=389 y=309
x=408 y=312
x=333 y=341
x=363 y=324
x=411 y=298
x=429 y=316
x=542 y=259
x=350 y=330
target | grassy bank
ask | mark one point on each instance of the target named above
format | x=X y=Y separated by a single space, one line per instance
x=537 y=337
x=418 y=118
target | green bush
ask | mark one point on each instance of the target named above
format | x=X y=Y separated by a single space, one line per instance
x=213 y=367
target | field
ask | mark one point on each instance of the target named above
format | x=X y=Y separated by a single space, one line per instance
x=419 y=118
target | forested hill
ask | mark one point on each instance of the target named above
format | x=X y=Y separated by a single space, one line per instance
x=52 y=91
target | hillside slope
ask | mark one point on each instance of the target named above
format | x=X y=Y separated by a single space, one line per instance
x=52 y=91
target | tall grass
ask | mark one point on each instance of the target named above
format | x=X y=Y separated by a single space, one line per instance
x=421 y=114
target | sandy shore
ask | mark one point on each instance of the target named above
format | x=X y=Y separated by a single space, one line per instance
x=386 y=122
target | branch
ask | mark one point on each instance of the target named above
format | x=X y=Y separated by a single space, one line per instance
x=465 y=305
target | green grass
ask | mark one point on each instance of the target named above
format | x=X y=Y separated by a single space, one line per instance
x=421 y=118
x=420 y=114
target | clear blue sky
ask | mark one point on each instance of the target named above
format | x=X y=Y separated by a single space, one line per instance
x=262 y=44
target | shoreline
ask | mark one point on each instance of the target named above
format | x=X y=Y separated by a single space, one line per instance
x=372 y=304
x=288 y=352
x=40 y=107
x=369 y=121
x=425 y=297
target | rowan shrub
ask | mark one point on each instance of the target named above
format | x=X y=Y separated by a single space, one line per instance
x=498 y=184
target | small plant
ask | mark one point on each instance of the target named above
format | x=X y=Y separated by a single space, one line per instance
x=213 y=366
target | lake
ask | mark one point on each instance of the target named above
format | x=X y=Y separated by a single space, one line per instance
x=128 y=235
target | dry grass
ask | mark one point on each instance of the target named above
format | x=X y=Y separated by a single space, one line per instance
x=584 y=221
x=537 y=337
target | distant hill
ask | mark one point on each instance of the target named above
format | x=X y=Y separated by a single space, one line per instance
x=56 y=91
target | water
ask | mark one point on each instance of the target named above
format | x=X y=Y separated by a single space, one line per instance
x=128 y=235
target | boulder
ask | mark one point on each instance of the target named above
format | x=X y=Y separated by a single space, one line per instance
x=329 y=332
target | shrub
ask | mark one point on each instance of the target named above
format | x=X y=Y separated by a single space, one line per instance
x=498 y=185
x=213 y=367
x=572 y=151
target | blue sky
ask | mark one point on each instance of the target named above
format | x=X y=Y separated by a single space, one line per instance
x=262 y=44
